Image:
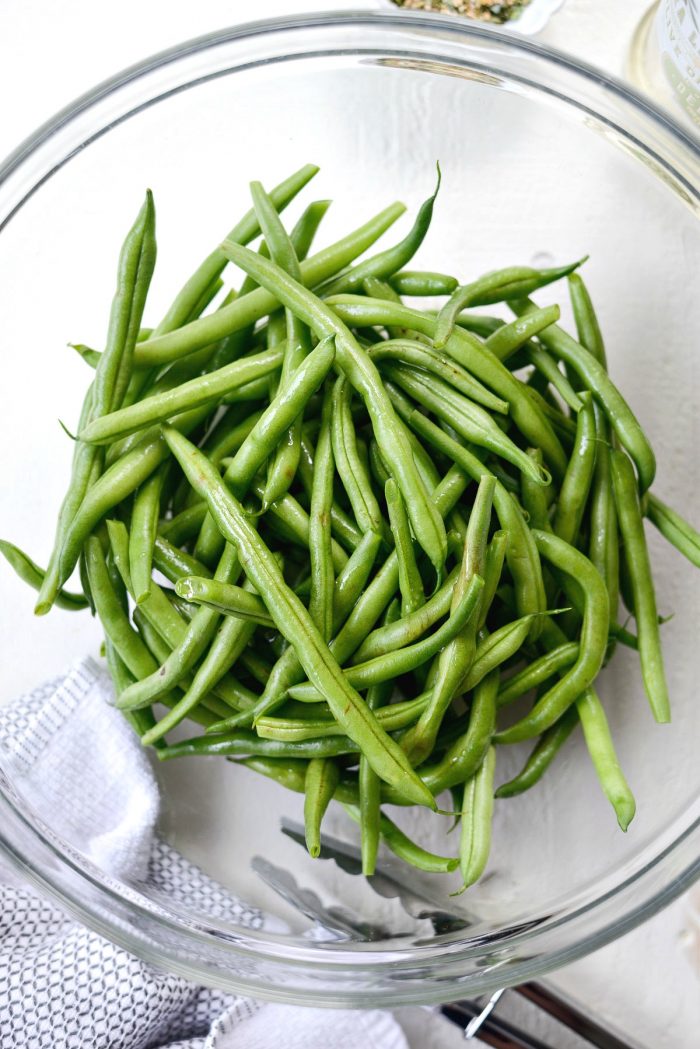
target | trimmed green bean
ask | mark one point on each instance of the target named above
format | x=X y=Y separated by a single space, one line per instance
x=422 y=282
x=507 y=339
x=410 y=582
x=320 y=552
x=573 y=495
x=477 y=813
x=595 y=377
x=679 y=532
x=142 y=534
x=578 y=571
x=544 y=753
x=539 y=671
x=402 y=846
x=498 y=286
x=387 y=262
x=637 y=555
x=320 y=782
x=30 y=573
x=457 y=657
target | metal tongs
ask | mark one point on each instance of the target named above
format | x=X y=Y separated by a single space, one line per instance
x=478 y=1019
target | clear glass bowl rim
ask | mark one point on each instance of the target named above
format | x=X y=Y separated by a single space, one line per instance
x=652 y=886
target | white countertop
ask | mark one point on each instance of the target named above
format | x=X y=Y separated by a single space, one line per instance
x=647 y=983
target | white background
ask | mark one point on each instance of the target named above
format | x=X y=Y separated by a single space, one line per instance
x=50 y=52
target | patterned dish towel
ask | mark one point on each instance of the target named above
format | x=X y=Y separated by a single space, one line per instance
x=73 y=757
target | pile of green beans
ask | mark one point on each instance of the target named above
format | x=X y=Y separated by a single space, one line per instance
x=346 y=535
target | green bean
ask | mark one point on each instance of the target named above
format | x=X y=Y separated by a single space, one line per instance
x=401 y=661
x=140 y=720
x=539 y=671
x=477 y=813
x=604 y=549
x=121 y=634
x=455 y=660
x=534 y=497
x=498 y=286
x=402 y=846
x=343 y=528
x=243 y=232
x=175 y=563
x=408 y=351
x=576 y=485
x=587 y=327
x=135 y=269
x=362 y=374
x=422 y=282
x=392 y=717
x=479 y=323
x=368 y=782
x=90 y=356
x=494 y=649
x=156 y=608
x=188 y=650
x=255 y=390
x=352 y=578
x=544 y=753
x=468 y=419
x=226 y=598
x=679 y=532
x=136 y=265
x=283 y=465
x=249 y=308
x=203 y=390
x=34 y=576
x=142 y=535
x=578 y=570
x=521 y=555
x=227 y=645
x=320 y=781
x=294 y=622
x=243 y=742
x=495 y=559
x=205 y=713
x=410 y=582
x=602 y=752
x=282 y=410
x=508 y=338
x=637 y=555
x=306 y=227
x=466 y=755
x=388 y=262
x=320 y=552
x=561 y=424
x=350 y=467
x=377 y=465
x=549 y=369
x=595 y=377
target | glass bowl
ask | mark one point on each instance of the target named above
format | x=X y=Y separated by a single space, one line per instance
x=542 y=159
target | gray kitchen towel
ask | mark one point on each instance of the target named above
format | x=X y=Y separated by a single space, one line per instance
x=72 y=756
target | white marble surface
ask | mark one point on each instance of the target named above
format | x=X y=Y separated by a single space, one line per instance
x=648 y=982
